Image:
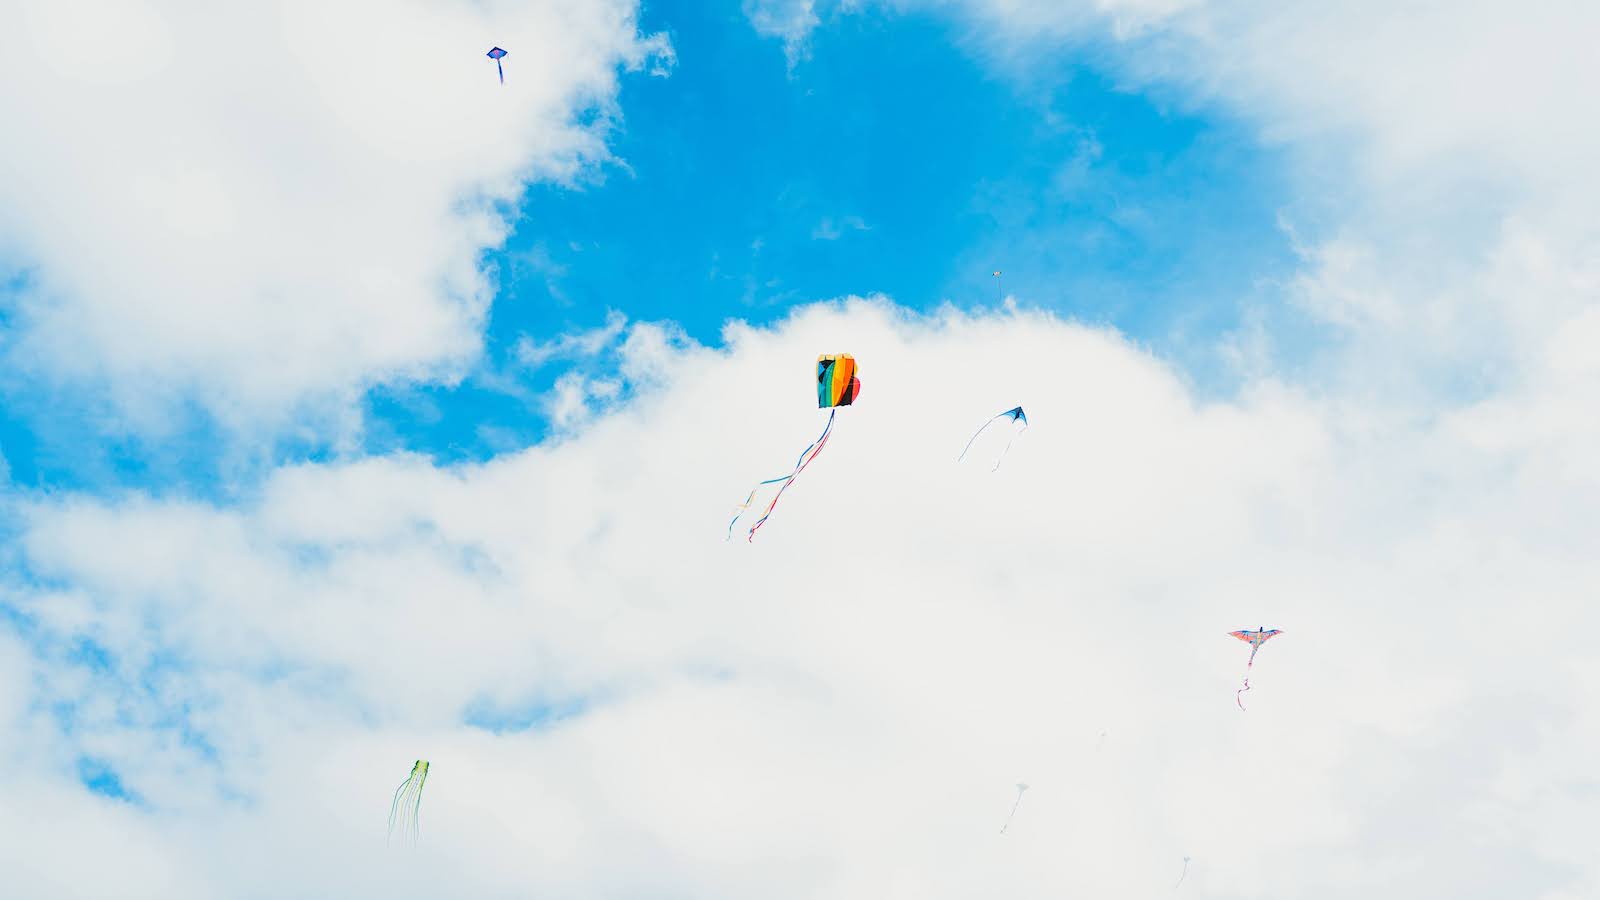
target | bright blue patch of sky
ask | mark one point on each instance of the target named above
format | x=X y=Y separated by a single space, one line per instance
x=63 y=438
x=99 y=777
x=499 y=719
x=890 y=161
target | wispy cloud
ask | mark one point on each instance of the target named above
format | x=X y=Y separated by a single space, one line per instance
x=830 y=229
x=571 y=345
x=790 y=20
x=609 y=364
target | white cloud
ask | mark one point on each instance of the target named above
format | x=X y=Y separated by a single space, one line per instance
x=840 y=708
x=265 y=210
x=1439 y=152
x=1432 y=92
x=571 y=345
x=830 y=229
x=610 y=363
x=791 y=20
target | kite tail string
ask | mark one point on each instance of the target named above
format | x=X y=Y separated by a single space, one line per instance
x=394 y=810
x=748 y=500
x=1013 y=813
x=1247 y=667
x=975 y=437
x=1184 y=875
x=502 y=71
x=800 y=465
x=806 y=456
x=1003 y=455
x=1007 y=449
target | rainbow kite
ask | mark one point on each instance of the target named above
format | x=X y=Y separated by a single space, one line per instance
x=837 y=385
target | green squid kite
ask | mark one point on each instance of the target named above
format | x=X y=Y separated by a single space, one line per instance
x=408 y=803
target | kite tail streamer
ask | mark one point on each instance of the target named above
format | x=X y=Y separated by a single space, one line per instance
x=1007 y=449
x=501 y=70
x=1185 y=873
x=748 y=500
x=806 y=456
x=405 y=811
x=975 y=437
x=1013 y=813
x=1247 y=667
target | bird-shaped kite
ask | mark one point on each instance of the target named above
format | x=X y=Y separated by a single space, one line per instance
x=1255 y=639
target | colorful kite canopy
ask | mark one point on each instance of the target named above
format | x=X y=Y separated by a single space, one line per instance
x=837 y=384
x=495 y=54
x=1255 y=639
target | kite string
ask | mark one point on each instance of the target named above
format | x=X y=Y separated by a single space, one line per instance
x=985 y=427
x=806 y=456
x=405 y=809
x=394 y=808
x=975 y=437
x=748 y=500
x=806 y=459
x=1013 y=813
x=1008 y=447
x=1247 y=667
x=799 y=466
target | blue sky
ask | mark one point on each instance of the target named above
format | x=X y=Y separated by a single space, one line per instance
x=888 y=161
x=338 y=433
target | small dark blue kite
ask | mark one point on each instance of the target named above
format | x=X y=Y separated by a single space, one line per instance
x=495 y=55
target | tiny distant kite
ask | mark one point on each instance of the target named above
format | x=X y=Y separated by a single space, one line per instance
x=1255 y=639
x=1185 y=873
x=1017 y=416
x=999 y=285
x=407 y=805
x=495 y=55
x=1020 y=788
x=836 y=386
